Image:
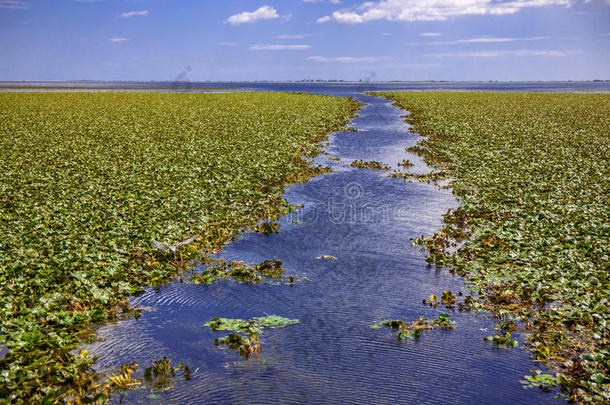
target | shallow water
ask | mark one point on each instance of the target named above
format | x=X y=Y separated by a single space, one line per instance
x=366 y=221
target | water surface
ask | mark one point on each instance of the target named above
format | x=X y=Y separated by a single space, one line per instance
x=337 y=88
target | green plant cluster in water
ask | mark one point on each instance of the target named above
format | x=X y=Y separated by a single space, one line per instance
x=245 y=336
x=414 y=329
x=243 y=273
x=369 y=164
x=89 y=179
x=160 y=376
x=532 y=172
x=450 y=301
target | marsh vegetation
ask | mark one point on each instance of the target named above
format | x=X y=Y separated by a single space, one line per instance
x=532 y=173
x=88 y=180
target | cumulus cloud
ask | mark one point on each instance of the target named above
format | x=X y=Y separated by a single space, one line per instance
x=271 y=47
x=344 y=59
x=117 y=39
x=495 y=54
x=323 y=19
x=14 y=4
x=433 y=10
x=134 y=13
x=431 y=34
x=263 y=13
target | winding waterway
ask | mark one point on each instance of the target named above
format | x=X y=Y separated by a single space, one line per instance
x=366 y=221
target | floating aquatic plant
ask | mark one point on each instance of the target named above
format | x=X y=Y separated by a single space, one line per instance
x=243 y=273
x=503 y=340
x=406 y=163
x=423 y=178
x=88 y=180
x=267 y=227
x=245 y=336
x=541 y=380
x=369 y=164
x=160 y=376
x=413 y=330
x=327 y=257
x=123 y=380
x=531 y=171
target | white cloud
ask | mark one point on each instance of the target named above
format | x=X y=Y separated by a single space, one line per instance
x=331 y=1
x=495 y=54
x=117 y=39
x=293 y=36
x=226 y=43
x=263 y=13
x=385 y=33
x=323 y=19
x=484 y=40
x=134 y=13
x=344 y=59
x=431 y=34
x=15 y=4
x=433 y=10
x=268 y=47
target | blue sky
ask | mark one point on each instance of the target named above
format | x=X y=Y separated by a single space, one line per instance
x=299 y=39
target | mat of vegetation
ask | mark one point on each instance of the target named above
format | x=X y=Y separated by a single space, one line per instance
x=99 y=87
x=532 y=171
x=88 y=180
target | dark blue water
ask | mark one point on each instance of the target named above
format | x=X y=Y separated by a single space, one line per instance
x=337 y=88
x=366 y=221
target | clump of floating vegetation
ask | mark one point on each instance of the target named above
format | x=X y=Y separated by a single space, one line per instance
x=243 y=273
x=245 y=336
x=423 y=178
x=88 y=180
x=531 y=171
x=267 y=227
x=326 y=257
x=413 y=329
x=406 y=163
x=369 y=164
x=452 y=302
x=503 y=340
x=160 y=376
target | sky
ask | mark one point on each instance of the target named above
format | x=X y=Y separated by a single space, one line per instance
x=231 y=40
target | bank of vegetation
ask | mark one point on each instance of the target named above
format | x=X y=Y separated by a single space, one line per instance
x=532 y=171
x=88 y=180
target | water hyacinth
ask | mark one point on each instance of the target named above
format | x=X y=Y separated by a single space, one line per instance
x=532 y=172
x=89 y=180
x=245 y=336
x=413 y=330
